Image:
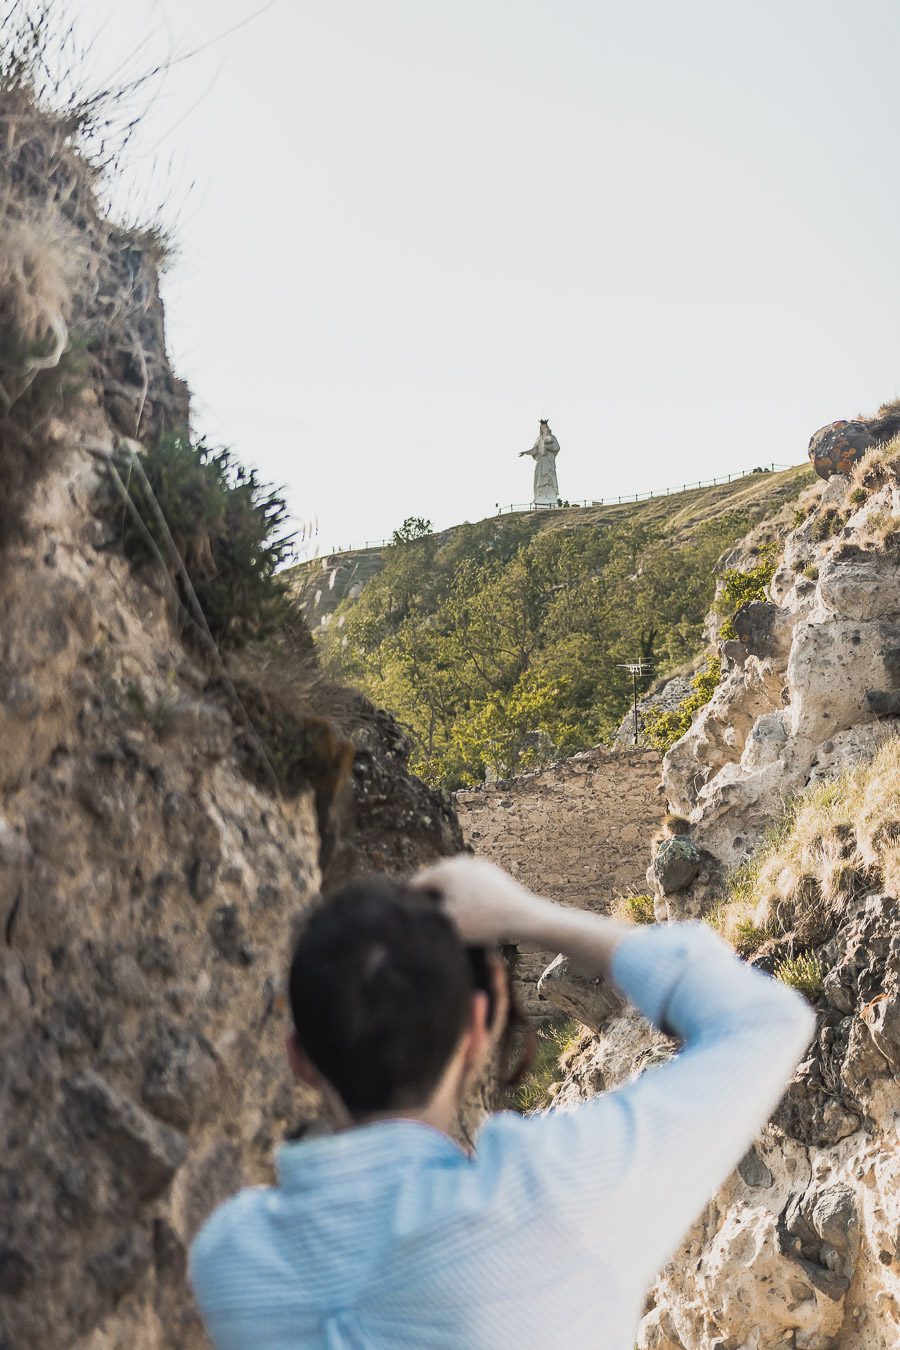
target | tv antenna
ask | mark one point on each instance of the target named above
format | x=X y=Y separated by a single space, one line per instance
x=638 y=670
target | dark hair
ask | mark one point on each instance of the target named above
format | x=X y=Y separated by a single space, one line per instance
x=380 y=988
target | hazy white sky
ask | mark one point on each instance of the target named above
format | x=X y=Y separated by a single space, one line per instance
x=669 y=226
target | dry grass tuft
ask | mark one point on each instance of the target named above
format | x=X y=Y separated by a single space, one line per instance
x=39 y=267
x=878 y=467
x=837 y=841
x=39 y=264
x=287 y=676
x=803 y=973
x=63 y=265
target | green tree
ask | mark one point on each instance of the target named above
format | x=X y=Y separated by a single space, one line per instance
x=413 y=528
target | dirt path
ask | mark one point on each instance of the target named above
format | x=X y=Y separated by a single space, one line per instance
x=578 y=832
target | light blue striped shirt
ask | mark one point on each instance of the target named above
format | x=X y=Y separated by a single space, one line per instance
x=389 y=1237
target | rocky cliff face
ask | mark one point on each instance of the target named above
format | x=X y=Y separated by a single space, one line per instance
x=146 y=895
x=148 y=883
x=801 y=1246
x=813 y=684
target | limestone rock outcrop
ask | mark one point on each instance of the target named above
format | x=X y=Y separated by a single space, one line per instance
x=592 y=1001
x=814 y=684
x=800 y=1247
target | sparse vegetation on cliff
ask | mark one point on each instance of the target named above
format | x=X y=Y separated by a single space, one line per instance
x=635 y=909
x=838 y=839
x=227 y=526
x=803 y=973
x=743 y=587
x=878 y=466
x=881 y=466
x=39 y=261
x=74 y=287
x=556 y=1046
x=736 y=587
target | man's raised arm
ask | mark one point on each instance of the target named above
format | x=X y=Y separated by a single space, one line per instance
x=634 y=1167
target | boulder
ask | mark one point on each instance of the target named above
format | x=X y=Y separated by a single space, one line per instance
x=676 y=864
x=753 y=1171
x=835 y=448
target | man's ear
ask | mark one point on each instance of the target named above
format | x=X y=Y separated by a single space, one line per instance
x=478 y=1036
x=302 y=1066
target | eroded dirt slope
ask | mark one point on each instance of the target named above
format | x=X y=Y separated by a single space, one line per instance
x=577 y=832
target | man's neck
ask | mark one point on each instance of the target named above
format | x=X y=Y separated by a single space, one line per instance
x=436 y=1119
x=439 y=1112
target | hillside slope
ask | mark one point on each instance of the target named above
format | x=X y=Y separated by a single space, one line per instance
x=322 y=584
x=500 y=644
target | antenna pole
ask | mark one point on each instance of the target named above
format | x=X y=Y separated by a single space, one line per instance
x=638 y=670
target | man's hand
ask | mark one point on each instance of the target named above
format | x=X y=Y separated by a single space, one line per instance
x=487 y=905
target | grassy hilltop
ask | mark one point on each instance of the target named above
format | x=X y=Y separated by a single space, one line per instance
x=498 y=644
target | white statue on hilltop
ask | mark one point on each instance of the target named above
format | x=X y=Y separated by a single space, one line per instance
x=544 y=452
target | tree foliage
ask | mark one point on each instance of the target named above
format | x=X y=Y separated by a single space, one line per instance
x=413 y=528
x=664 y=726
x=741 y=588
x=500 y=647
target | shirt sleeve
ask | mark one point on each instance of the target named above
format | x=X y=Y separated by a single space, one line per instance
x=632 y=1169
